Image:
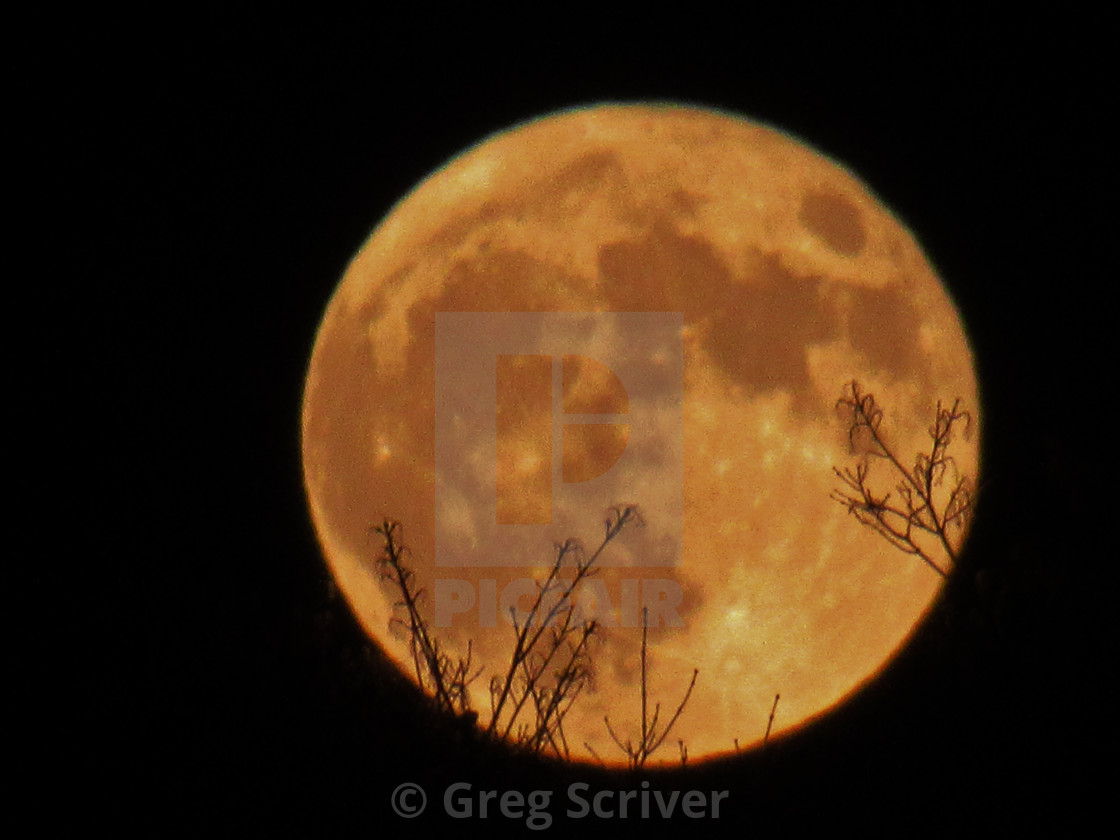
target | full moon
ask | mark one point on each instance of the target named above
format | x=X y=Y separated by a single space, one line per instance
x=643 y=305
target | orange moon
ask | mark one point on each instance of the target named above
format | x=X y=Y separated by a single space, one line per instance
x=788 y=278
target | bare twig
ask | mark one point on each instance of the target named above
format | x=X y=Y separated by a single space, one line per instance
x=446 y=679
x=922 y=518
x=769 y=723
x=651 y=737
x=550 y=635
x=591 y=750
x=550 y=663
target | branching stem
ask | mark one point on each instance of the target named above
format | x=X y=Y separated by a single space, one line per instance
x=917 y=510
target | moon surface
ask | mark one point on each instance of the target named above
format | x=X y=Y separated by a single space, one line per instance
x=699 y=288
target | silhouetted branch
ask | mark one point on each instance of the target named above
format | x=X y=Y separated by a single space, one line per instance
x=550 y=663
x=651 y=737
x=448 y=680
x=550 y=636
x=913 y=507
x=591 y=750
x=769 y=723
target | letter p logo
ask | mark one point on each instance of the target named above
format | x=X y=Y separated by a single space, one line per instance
x=543 y=421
